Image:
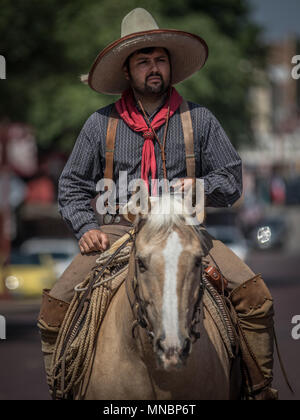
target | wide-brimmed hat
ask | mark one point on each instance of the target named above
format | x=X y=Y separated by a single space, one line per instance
x=188 y=52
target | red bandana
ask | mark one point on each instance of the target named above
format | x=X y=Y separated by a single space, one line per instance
x=126 y=108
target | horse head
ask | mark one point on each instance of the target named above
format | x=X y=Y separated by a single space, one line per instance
x=168 y=273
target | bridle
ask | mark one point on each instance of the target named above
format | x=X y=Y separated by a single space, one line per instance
x=138 y=305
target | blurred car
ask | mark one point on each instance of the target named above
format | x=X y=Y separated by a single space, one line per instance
x=293 y=191
x=231 y=236
x=27 y=275
x=277 y=233
x=62 y=251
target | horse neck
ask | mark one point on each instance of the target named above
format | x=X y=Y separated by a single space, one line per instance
x=125 y=316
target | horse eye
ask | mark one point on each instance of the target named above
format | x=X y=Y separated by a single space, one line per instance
x=198 y=262
x=142 y=266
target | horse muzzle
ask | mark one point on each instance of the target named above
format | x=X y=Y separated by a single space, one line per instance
x=172 y=357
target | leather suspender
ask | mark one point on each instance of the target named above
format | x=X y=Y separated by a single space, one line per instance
x=110 y=144
x=188 y=135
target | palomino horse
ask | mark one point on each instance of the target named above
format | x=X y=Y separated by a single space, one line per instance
x=161 y=361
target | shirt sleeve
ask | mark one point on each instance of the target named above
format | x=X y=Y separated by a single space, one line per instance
x=221 y=166
x=77 y=185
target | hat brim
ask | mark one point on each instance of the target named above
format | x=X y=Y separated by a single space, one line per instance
x=188 y=54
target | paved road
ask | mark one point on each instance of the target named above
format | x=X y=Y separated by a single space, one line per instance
x=287 y=304
x=21 y=365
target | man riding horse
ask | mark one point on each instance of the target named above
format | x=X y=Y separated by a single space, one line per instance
x=146 y=134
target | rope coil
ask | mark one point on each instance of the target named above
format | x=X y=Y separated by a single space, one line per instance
x=75 y=345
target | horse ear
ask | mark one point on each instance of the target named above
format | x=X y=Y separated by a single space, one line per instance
x=200 y=214
x=138 y=206
x=130 y=217
x=195 y=201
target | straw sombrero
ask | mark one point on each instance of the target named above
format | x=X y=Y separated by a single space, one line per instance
x=188 y=52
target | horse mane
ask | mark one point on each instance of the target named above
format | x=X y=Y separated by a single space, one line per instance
x=167 y=212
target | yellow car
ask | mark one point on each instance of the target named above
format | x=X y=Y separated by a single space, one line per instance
x=27 y=275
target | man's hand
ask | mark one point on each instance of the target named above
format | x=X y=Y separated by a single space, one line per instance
x=93 y=240
x=187 y=186
x=184 y=184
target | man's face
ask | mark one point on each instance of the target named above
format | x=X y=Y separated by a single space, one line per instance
x=149 y=74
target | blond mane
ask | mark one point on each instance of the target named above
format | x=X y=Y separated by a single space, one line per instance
x=167 y=212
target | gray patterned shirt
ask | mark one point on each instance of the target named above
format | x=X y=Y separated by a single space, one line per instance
x=217 y=162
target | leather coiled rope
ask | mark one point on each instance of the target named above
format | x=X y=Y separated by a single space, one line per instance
x=216 y=306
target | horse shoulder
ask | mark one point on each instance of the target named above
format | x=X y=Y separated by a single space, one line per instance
x=216 y=357
x=118 y=372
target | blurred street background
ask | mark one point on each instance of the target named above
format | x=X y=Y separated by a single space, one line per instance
x=250 y=82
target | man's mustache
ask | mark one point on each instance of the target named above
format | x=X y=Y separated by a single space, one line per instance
x=154 y=75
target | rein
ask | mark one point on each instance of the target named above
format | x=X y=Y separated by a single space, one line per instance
x=137 y=305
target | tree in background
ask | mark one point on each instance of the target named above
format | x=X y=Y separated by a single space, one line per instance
x=48 y=44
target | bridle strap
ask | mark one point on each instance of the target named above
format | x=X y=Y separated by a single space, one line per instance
x=137 y=305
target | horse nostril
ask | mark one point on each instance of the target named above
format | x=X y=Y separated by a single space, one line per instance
x=186 y=347
x=159 y=345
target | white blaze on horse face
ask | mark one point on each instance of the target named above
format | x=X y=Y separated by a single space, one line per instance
x=170 y=316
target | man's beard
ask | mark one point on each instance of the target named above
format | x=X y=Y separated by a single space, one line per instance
x=157 y=89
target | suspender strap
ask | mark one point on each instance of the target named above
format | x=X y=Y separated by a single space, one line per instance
x=110 y=143
x=188 y=135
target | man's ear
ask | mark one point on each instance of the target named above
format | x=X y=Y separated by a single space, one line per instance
x=126 y=72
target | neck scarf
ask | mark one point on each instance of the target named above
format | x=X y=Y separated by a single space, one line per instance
x=126 y=108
